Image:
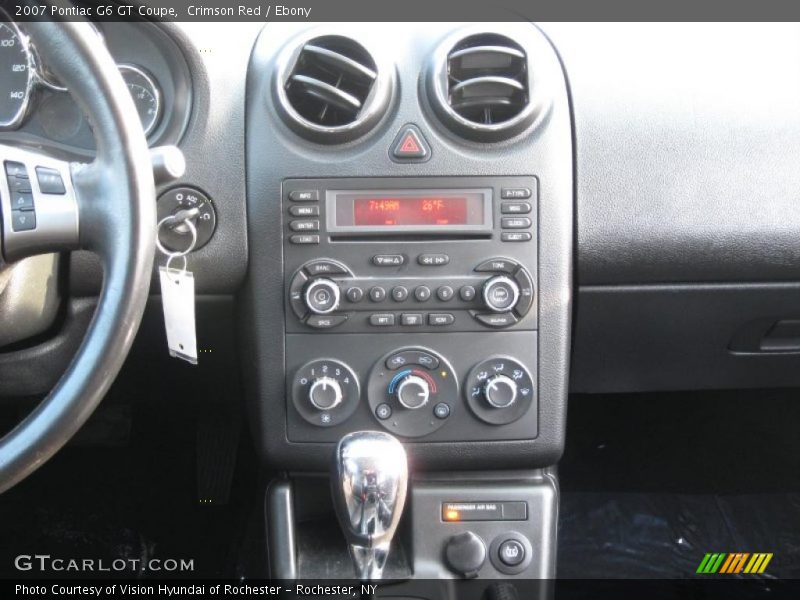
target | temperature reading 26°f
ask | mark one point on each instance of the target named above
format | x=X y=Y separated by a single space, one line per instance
x=14 y=76
x=146 y=95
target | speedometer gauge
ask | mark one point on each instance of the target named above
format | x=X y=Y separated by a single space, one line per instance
x=146 y=95
x=15 y=76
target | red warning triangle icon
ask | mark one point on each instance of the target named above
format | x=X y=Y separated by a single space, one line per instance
x=409 y=145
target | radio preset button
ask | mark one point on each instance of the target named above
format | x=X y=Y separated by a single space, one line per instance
x=445 y=293
x=515 y=222
x=411 y=319
x=515 y=236
x=439 y=319
x=399 y=293
x=304 y=238
x=310 y=225
x=304 y=211
x=521 y=193
x=515 y=208
x=467 y=293
x=304 y=195
x=325 y=267
x=377 y=294
x=325 y=321
x=382 y=320
x=433 y=260
x=354 y=294
x=388 y=260
x=422 y=293
x=501 y=265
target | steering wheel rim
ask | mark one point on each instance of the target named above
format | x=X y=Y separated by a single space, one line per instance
x=117 y=217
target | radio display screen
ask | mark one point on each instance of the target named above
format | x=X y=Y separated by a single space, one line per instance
x=410 y=210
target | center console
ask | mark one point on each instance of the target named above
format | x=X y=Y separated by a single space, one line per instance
x=410 y=232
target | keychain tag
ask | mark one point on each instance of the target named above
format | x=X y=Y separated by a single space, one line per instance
x=177 y=298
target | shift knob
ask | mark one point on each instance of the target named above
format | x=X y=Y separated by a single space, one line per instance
x=369 y=483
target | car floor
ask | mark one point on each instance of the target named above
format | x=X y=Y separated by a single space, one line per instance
x=652 y=482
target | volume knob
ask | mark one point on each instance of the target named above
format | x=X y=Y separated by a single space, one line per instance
x=500 y=293
x=413 y=392
x=322 y=296
x=325 y=393
x=500 y=391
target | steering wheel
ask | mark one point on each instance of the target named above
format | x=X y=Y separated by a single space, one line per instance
x=107 y=207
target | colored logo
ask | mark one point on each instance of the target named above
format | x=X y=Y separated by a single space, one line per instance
x=735 y=562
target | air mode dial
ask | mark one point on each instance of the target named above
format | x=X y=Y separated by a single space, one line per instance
x=500 y=391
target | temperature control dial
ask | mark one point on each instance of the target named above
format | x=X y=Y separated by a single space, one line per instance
x=500 y=390
x=325 y=392
x=413 y=392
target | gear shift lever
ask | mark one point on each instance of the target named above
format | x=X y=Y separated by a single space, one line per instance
x=369 y=481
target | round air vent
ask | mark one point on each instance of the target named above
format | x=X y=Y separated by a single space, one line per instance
x=331 y=89
x=480 y=86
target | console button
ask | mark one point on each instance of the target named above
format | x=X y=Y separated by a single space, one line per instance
x=467 y=293
x=304 y=195
x=388 y=260
x=412 y=357
x=304 y=211
x=310 y=225
x=515 y=236
x=325 y=267
x=511 y=553
x=433 y=260
x=50 y=181
x=439 y=319
x=377 y=294
x=496 y=319
x=383 y=411
x=304 y=238
x=23 y=220
x=501 y=265
x=445 y=293
x=410 y=145
x=325 y=321
x=411 y=319
x=515 y=208
x=515 y=222
x=441 y=410
x=382 y=320
x=526 y=292
x=422 y=293
x=354 y=294
x=399 y=293
x=521 y=193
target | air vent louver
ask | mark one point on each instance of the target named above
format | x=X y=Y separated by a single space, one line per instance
x=335 y=88
x=484 y=87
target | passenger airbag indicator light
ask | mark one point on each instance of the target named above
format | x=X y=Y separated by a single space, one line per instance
x=451 y=515
x=484 y=511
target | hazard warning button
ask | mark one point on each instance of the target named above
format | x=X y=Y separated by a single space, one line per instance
x=410 y=145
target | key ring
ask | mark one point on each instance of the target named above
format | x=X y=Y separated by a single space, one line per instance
x=169 y=254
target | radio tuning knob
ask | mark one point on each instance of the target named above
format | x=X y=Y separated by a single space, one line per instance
x=413 y=392
x=322 y=296
x=500 y=391
x=500 y=293
x=325 y=393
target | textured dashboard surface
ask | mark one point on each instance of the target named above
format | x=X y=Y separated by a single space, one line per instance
x=687 y=147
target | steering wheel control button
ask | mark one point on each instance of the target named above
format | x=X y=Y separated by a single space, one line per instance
x=304 y=195
x=50 y=181
x=433 y=260
x=410 y=146
x=515 y=222
x=521 y=193
x=23 y=220
x=198 y=208
x=412 y=319
x=445 y=293
x=499 y=390
x=497 y=265
x=322 y=296
x=22 y=201
x=354 y=294
x=16 y=169
x=18 y=184
x=515 y=208
x=422 y=293
x=325 y=392
x=467 y=293
x=465 y=554
x=377 y=294
x=301 y=210
x=498 y=320
x=500 y=293
x=381 y=320
x=383 y=411
x=441 y=410
x=308 y=225
x=325 y=321
x=325 y=267
x=441 y=319
x=388 y=260
x=515 y=236
x=399 y=293
x=304 y=238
